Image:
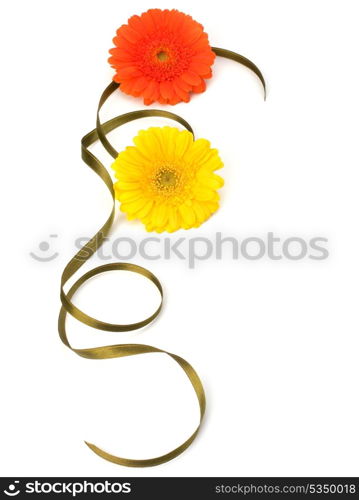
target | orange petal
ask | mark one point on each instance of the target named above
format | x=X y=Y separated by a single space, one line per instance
x=174 y=100
x=147 y=101
x=140 y=84
x=182 y=94
x=208 y=75
x=199 y=68
x=200 y=88
x=166 y=90
x=122 y=42
x=135 y=22
x=204 y=57
x=182 y=84
x=161 y=100
x=148 y=21
x=129 y=72
x=177 y=21
x=120 y=54
x=126 y=85
x=115 y=63
x=150 y=90
x=201 y=45
x=157 y=17
x=193 y=35
x=191 y=78
x=128 y=33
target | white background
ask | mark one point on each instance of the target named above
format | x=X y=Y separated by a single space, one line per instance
x=276 y=343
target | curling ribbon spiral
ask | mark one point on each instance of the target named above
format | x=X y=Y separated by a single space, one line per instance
x=68 y=307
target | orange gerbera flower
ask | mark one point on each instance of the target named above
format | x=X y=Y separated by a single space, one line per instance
x=162 y=55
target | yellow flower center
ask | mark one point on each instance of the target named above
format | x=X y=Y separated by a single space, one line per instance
x=166 y=179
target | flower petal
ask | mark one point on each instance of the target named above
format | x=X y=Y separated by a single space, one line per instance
x=188 y=215
x=166 y=90
x=191 y=78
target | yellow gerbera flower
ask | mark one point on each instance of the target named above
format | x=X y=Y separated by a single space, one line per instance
x=167 y=179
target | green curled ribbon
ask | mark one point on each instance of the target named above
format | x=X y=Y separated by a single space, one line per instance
x=68 y=307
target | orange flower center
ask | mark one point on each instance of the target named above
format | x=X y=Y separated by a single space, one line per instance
x=162 y=56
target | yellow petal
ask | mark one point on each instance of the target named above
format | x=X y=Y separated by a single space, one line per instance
x=169 y=139
x=145 y=210
x=126 y=196
x=203 y=193
x=188 y=215
x=131 y=207
x=201 y=211
x=147 y=144
x=160 y=214
x=198 y=151
x=183 y=142
x=173 y=220
x=211 y=181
